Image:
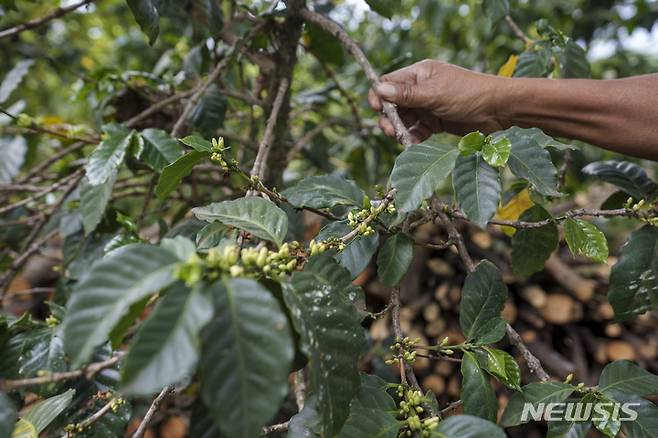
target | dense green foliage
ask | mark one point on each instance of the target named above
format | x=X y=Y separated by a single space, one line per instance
x=183 y=270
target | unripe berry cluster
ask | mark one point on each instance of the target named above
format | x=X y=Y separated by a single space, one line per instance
x=410 y=410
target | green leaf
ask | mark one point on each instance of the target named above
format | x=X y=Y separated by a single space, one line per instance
x=357 y=254
x=626 y=377
x=330 y=272
x=573 y=61
x=568 y=429
x=385 y=8
x=531 y=247
x=477 y=186
x=629 y=177
x=208 y=115
x=584 y=238
x=109 y=154
x=538 y=392
x=174 y=173
x=14 y=78
x=492 y=331
x=483 y=297
x=24 y=429
x=533 y=64
x=646 y=423
x=44 y=412
x=165 y=348
x=304 y=424
x=324 y=191
x=93 y=200
x=197 y=143
x=496 y=9
x=633 y=279
x=160 y=149
x=478 y=398
x=332 y=339
x=534 y=136
x=605 y=419
x=180 y=246
x=213 y=234
x=246 y=357
x=496 y=152
x=323 y=45
x=106 y=292
x=13 y=156
x=419 y=171
x=258 y=216
x=147 y=16
x=371 y=412
x=468 y=426
x=7 y=415
x=471 y=143
x=44 y=351
x=529 y=160
x=394 y=259
x=502 y=366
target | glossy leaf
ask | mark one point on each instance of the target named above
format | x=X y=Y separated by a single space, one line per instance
x=496 y=152
x=93 y=201
x=533 y=64
x=324 y=191
x=24 y=429
x=629 y=177
x=13 y=156
x=483 y=297
x=539 y=392
x=371 y=411
x=394 y=259
x=419 y=171
x=173 y=174
x=626 y=377
x=529 y=160
x=573 y=61
x=197 y=143
x=646 y=423
x=502 y=366
x=44 y=412
x=531 y=247
x=13 y=78
x=633 y=283
x=332 y=339
x=585 y=239
x=160 y=149
x=106 y=292
x=258 y=216
x=246 y=358
x=477 y=395
x=109 y=154
x=213 y=234
x=468 y=426
x=147 y=16
x=471 y=143
x=165 y=348
x=477 y=186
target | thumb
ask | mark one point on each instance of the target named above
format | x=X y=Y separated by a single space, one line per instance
x=404 y=94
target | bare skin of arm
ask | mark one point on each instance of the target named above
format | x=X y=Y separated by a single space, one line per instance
x=620 y=114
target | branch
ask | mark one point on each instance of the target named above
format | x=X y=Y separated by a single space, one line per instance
x=89 y=421
x=42 y=193
x=276 y=428
x=533 y=363
x=155 y=405
x=158 y=106
x=388 y=198
x=87 y=372
x=264 y=146
x=517 y=30
x=39 y=21
x=389 y=109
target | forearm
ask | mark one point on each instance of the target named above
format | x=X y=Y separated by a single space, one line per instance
x=620 y=115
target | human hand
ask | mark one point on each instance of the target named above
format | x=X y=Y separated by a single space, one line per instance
x=433 y=96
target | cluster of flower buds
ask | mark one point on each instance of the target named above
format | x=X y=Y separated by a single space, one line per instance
x=445 y=350
x=190 y=271
x=357 y=218
x=410 y=410
x=316 y=248
x=403 y=349
x=217 y=151
x=645 y=211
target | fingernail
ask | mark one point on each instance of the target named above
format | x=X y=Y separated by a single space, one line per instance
x=386 y=89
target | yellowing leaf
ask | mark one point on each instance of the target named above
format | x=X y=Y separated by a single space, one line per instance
x=513 y=209
x=507 y=69
x=24 y=429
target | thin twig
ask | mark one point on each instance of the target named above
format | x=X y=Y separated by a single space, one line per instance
x=39 y=21
x=451 y=407
x=517 y=30
x=158 y=106
x=87 y=372
x=533 y=363
x=155 y=405
x=282 y=427
x=42 y=193
x=89 y=421
x=388 y=198
x=389 y=109
x=264 y=147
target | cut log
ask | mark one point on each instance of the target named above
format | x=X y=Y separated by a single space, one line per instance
x=582 y=288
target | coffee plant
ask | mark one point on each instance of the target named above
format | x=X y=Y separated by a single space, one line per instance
x=209 y=228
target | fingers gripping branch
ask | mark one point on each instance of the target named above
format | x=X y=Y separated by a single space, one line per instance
x=389 y=109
